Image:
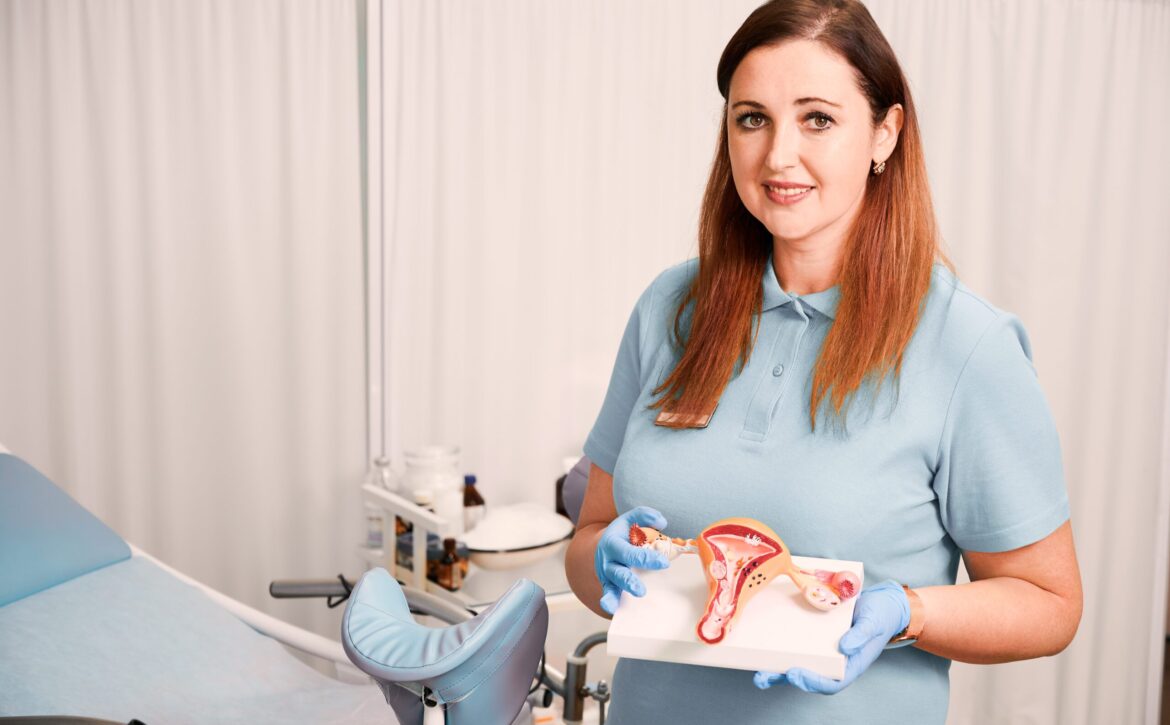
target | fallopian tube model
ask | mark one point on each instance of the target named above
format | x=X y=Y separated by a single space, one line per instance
x=740 y=556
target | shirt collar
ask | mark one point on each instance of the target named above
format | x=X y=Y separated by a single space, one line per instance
x=824 y=302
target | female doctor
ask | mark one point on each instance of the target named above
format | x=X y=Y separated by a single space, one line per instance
x=819 y=367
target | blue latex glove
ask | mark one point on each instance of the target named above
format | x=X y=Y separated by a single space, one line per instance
x=615 y=555
x=882 y=611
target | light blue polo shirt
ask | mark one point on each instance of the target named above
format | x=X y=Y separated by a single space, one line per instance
x=967 y=459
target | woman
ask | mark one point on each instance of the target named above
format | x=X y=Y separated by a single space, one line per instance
x=820 y=368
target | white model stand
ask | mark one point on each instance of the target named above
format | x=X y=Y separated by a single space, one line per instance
x=776 y=630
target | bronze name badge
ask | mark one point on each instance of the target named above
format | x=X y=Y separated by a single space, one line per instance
x=687 y=420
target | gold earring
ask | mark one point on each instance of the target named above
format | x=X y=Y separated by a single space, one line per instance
x=879 y=168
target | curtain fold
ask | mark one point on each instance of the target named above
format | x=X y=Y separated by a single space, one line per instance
x=181 y=277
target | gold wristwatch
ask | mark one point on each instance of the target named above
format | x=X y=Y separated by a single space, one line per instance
x=913 y=630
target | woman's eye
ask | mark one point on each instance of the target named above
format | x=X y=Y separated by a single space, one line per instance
x=744 y=118
x=821 y=122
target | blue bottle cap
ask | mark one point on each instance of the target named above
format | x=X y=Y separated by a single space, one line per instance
x=469 y=479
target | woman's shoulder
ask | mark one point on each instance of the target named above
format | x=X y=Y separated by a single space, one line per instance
x=949 y=293
x=957 y=318
x=676 y=278
x=668 y=288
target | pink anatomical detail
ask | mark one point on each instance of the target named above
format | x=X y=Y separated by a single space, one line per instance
x=741 y=556
x=738 y=553
x=844 y=583
x=656 y=540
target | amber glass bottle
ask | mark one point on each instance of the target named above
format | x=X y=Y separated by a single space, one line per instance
x=450 y=573
x=473 y=506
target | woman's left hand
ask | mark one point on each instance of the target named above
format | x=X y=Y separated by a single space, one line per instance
x=882 y=611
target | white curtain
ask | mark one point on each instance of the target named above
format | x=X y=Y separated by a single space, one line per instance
x=181 y=330
x=181 y=262
x=543 y=160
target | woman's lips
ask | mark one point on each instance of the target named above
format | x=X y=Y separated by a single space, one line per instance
x=786 y=199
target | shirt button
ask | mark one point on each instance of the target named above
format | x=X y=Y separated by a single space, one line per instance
x=777 y=370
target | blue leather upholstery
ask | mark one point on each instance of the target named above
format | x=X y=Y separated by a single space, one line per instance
x=46 y=537
x=480 y=670
x=131 y=640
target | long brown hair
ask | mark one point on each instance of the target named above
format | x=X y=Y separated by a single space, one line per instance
x=888 y=254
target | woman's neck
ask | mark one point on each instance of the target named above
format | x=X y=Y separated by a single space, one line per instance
x=805 y=272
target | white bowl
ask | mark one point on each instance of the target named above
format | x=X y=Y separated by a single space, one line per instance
x=511 y=559
x=517 y=535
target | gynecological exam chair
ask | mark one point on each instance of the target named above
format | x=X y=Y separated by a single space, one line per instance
x=478 y=669
x=91 y=627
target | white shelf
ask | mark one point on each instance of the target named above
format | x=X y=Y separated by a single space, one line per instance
x=482 y=587
x=375 y=557
x=424 y=522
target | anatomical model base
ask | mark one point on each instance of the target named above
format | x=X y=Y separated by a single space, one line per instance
x=742 y=602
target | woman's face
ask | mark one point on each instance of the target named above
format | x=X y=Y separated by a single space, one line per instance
x=796 y=116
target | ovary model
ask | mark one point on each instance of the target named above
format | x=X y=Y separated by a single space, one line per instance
x=740 y=556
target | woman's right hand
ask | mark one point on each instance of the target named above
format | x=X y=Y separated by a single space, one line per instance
x=616 y=555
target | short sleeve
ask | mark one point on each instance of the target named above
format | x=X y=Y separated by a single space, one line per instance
x=625 y=385
x=1000 y=480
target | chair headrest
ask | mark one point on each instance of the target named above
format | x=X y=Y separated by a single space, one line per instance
x=480 y=669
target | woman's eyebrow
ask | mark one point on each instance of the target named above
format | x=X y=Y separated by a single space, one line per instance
x=814 y=99
x=799 y=102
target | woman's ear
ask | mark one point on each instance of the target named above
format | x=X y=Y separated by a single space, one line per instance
x=886 y=133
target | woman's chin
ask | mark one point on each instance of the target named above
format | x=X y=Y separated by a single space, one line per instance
x=788 y=232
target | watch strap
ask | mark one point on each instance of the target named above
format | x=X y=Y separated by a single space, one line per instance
x=913 y=630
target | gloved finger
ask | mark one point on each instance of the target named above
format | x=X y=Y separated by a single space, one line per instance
x=639 y=556
x=764 y=680
x=861 y=660
x=611 y=597
x=812 y=682
x=623 y=578
x=646 y=516
x=864 y=629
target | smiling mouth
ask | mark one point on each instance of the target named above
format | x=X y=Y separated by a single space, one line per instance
x=787 y=197
x=793 y=191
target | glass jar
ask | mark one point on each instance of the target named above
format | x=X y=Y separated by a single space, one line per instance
x=436 y=469
x=379 y=474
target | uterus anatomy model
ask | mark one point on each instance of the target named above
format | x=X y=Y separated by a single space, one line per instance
x=740 y=557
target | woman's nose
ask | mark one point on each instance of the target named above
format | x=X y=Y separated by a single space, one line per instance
x=785 y=149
